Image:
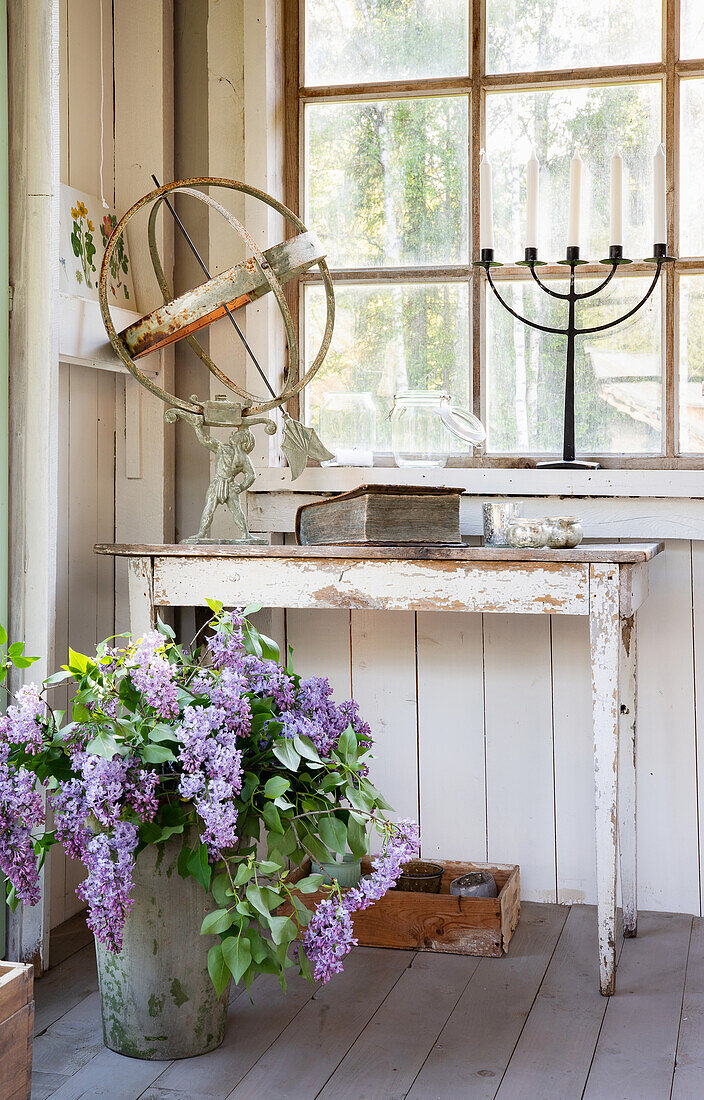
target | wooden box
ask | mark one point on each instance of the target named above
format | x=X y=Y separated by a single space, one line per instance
x=441 y=922
x=16 y=1027
x=383 y=515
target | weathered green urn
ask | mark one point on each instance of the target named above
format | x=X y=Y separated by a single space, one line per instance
x=156 y=995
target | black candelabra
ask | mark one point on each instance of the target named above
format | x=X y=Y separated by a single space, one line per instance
x=531 y=261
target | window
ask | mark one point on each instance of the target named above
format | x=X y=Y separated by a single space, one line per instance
x=389 y=106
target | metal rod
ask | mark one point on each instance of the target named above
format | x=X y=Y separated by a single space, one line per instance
x=207 y=274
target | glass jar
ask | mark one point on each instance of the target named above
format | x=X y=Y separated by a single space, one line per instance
x=523 y=533
x=422 y=425
x=564 y=532
x=347 y=427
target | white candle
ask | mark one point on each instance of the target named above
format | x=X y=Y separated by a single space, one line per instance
x=486 y=211
x=659 y=207
x=575 y=200
x=532 y=195
x=617 y=198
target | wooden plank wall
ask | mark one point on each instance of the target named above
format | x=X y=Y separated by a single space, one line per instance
x=483 y=731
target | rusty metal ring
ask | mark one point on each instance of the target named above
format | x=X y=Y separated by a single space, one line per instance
x=234 y=185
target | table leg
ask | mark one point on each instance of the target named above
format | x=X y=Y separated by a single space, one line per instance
x=627 y=775
x=141 y=595
x=605 y=650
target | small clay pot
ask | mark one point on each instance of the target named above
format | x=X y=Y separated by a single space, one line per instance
x=420 y=877
x=475 y=884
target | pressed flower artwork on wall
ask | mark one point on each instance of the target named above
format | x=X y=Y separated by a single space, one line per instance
x=86 y=226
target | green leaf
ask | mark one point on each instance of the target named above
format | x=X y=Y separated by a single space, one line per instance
x=164 y=628
x=161 y=732
x=304 y=966
x=57 y=677
x=77 y=662
x=257 y=898
x=347 y=745
x=105 y=745
x=316 y=848
x=304 y=913
x=251 y=609
x=275 y=786
x=217 y=968
x=307 y=749
x=270 y=867
x=215 y=606
x=283 y=929
x=219 y=887
x=270 y=649
x=244 y=874
x=357 y=838
x=129 y=696
x=16 y=649
x=272 y=819
x=333 y=833
x=284 y=750
x=23 y=662
x=199 y=867
x=156 y=754
x=358 y=798
x=310 y=884
x=257 y=945
x=3 y=634
x=216 y=922
x=183 y=858
x=237 y=953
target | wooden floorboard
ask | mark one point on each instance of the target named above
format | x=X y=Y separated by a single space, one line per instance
x=68 y=938
x=635 y=1054
x=688 y=1082
x=251 y=1029
x=386 y=1057
x=298 y=1064
x=474 y=1048
x=63 y=987
x=553 y=1055
x=531 y=1025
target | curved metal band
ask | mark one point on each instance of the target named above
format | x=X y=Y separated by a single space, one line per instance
x=186 y=185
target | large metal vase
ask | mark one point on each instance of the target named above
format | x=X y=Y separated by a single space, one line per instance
x=156 y=995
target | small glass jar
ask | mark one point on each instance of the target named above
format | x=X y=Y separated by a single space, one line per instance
x=347 y=427
x=523 y=533
x=564 y=532
x=418 y=434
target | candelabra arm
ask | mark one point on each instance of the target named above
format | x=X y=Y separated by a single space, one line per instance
x=619 y=320
x=545 y=287
x=524 y=320
x=604 y=283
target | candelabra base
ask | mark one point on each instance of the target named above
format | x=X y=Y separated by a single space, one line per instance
x=562 y=464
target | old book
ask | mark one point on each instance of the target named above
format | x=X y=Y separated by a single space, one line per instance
x=383 y=515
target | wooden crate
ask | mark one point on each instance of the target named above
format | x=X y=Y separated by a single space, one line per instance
x=16 y=1027
x=441 y=922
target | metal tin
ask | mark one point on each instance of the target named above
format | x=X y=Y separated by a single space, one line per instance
x=496 y=518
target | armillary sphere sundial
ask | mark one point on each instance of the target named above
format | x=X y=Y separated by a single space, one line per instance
x=181 y=317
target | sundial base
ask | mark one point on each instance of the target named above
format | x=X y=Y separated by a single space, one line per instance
x=253 y=540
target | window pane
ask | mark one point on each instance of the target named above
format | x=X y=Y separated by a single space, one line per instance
x=593 y=120
x=691 y=342
x=691 y=29
x=387 y=181
x=390 y=338
x=529 y=35
x=618 y=386
x=350 y=41
x=691 y=175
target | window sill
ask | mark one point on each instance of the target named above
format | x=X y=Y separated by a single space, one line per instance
x=654 y=484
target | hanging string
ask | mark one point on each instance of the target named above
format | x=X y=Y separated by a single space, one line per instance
x=102 y=106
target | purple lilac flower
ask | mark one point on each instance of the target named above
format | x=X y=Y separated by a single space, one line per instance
x=153 y=676
x=313 y=714
x=226 y=689
x=70 y=815
x=226 y=644
x=212 y=773
x=140 y=790
x=20 y=810
x=21 y=725
x=328 y=937
x=109 y=859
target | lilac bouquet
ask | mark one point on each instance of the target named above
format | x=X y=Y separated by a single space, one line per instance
x=218 y=744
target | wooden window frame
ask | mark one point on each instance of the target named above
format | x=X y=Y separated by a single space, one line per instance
x=670 y=70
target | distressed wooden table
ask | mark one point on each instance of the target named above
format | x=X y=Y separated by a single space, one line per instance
x=605 y=581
